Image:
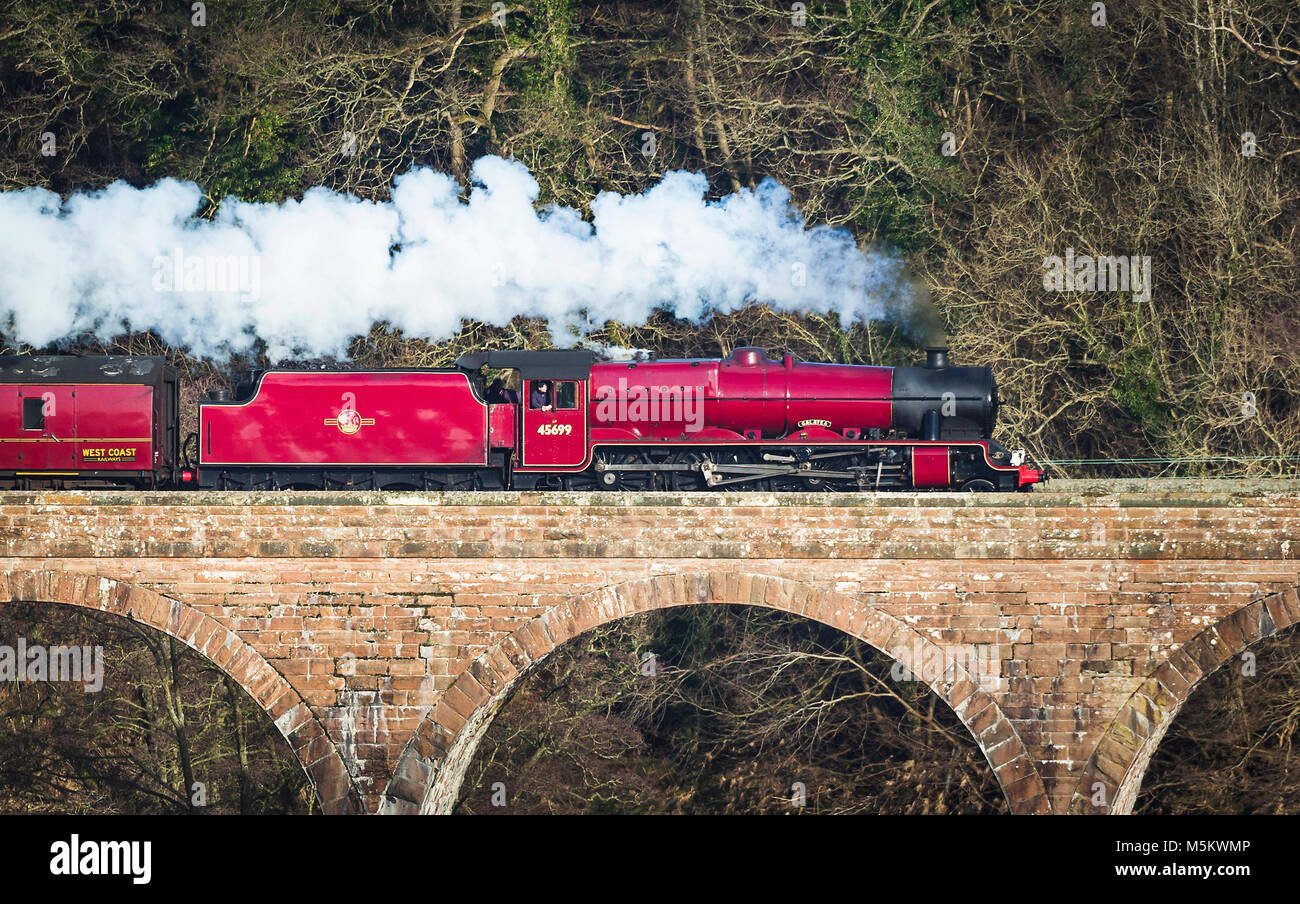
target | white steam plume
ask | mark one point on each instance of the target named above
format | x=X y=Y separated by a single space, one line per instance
x=307 y=276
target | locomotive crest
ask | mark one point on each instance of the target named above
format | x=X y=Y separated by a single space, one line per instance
x=349 y=421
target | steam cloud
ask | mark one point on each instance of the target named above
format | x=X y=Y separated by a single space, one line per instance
x=307 y=276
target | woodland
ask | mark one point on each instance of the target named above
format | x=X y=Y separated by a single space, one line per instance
x=976 y=137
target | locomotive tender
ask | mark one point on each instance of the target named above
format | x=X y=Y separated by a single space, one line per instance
x=746 y=422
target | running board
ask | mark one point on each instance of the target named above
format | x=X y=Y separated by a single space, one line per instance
x=728 y=473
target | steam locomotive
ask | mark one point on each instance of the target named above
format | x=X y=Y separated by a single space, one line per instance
x=746 y=422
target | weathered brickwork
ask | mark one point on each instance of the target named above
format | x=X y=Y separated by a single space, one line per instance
x=382 y=631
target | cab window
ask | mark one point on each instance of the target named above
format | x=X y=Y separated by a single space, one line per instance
x=540 y=396
x=566 y=395
x=33 y=414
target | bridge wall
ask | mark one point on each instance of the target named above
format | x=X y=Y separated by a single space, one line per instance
x=397 y=623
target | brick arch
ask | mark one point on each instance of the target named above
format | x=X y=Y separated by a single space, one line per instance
x=429 y=772
x=272 y=692
x=1120 y=760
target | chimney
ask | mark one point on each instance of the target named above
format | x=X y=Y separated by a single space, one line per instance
x=936 y=358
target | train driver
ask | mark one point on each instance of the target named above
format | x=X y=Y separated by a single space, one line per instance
x=539 y=399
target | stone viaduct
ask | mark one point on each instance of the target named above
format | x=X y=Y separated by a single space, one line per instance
x=382 y=631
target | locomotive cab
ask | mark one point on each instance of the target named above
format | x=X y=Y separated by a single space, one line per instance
x=551 y=415
x=553 y=422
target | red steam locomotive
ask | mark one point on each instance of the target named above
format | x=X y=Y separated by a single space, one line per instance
x=746 y=422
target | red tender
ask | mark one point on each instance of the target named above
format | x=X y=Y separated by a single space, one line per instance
x=349 y=418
